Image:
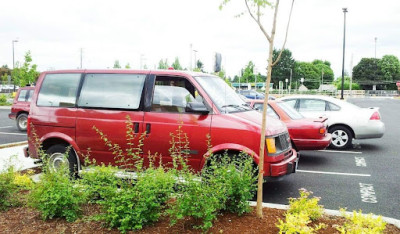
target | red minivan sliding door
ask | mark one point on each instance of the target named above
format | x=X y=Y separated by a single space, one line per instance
x=168 y=122
x=106 y=102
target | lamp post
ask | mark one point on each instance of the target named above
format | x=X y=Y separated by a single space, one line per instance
x=344 y=46
x=375 y=45
x=195 y=61
x=13 y=65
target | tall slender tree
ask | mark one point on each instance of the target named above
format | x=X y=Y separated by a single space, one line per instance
x=255 y=8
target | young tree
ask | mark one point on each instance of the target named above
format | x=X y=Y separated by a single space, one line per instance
x=25 y=74
x=176 y=65
x=255 y=8
x=163 y=64
x=116 y=64
x=127 y=66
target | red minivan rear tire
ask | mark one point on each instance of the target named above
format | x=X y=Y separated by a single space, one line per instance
x=60 y=155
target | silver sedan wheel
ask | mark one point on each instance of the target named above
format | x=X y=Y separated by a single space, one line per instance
x=57 y=161
x=339 y=138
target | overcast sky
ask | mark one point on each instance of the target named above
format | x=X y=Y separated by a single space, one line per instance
x=134 y=31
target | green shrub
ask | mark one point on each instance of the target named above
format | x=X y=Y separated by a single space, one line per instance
x=359 y=223
x=3 y=100
x=7 y=189
x=307 y=205
x=57 y=196
x=228 y=184
x=297 y=223
x=133 y=206
x=238 y=177
x=97 y=181
x=198 y=200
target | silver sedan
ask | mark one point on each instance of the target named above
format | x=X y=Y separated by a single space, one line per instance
x=345 y=120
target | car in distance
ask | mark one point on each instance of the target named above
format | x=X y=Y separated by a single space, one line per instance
x=67 y=105
x=20 y=107
x=345 y=120
x=305 y=133
x=252 y=94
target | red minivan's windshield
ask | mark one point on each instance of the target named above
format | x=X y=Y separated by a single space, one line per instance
x=223 y=96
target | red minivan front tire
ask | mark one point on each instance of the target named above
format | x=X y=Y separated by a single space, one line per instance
x=61 y=155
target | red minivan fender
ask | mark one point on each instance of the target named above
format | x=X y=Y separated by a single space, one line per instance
x=61 y=136
x=229 y=146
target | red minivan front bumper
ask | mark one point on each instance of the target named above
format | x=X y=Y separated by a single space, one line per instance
x=282 y=168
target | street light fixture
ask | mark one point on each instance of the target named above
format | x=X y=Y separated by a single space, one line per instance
x=344 y=46
x=13 y=65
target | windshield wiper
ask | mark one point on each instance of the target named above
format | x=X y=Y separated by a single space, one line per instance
x=239 y=107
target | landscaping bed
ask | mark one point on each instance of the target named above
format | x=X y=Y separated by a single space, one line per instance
x=26 y=220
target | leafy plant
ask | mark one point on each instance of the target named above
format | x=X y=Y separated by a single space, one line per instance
x=57 y=196
x=228 y=184
x=359 y=223
x=97 y=181
x=134 y=205
x=306 y=205
x=3 y=100
x=7 y=188
x=297 y=223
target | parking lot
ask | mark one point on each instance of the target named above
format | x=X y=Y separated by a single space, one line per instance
x=364 y=177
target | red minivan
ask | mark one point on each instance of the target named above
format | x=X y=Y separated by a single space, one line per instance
x=67 y=104
x=20 y=107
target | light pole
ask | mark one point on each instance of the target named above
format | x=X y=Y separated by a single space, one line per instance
x=344 y=46
x=195 y=61
x=13 y=65
x=290 y=80
x=375 y=45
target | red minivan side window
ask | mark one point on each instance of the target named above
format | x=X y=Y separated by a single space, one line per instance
x=59 y=90
x=112 y=91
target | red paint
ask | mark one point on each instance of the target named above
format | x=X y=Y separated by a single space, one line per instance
x=306 y=134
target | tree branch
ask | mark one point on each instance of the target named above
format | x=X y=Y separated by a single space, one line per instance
x=258 y=20
x=287 y=31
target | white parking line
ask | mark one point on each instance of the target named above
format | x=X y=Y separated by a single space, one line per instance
x=334 y=173
x=6 y=127
x=341 y=151
x=11 y=133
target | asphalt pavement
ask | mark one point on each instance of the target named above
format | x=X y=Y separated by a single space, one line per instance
x=8 y=129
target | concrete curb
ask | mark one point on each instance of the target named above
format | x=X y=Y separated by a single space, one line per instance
x=13 y=144
x=389 y=220
x=5 y=107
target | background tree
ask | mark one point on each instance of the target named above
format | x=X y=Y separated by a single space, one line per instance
x=325 y=71
x=248 y=73
x=390 y=68
x=309 y=72
x=163 y=64
x=368 y=73
x=25 y=74
x=199 y=66
x=116 y=64
x=176 y=65
x=4 y=73
x=338 y=84
x=281 y=70
x=255 y=8
x=127 y=66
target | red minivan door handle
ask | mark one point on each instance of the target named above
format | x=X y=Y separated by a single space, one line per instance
x=136 y=127
x=148 y=128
